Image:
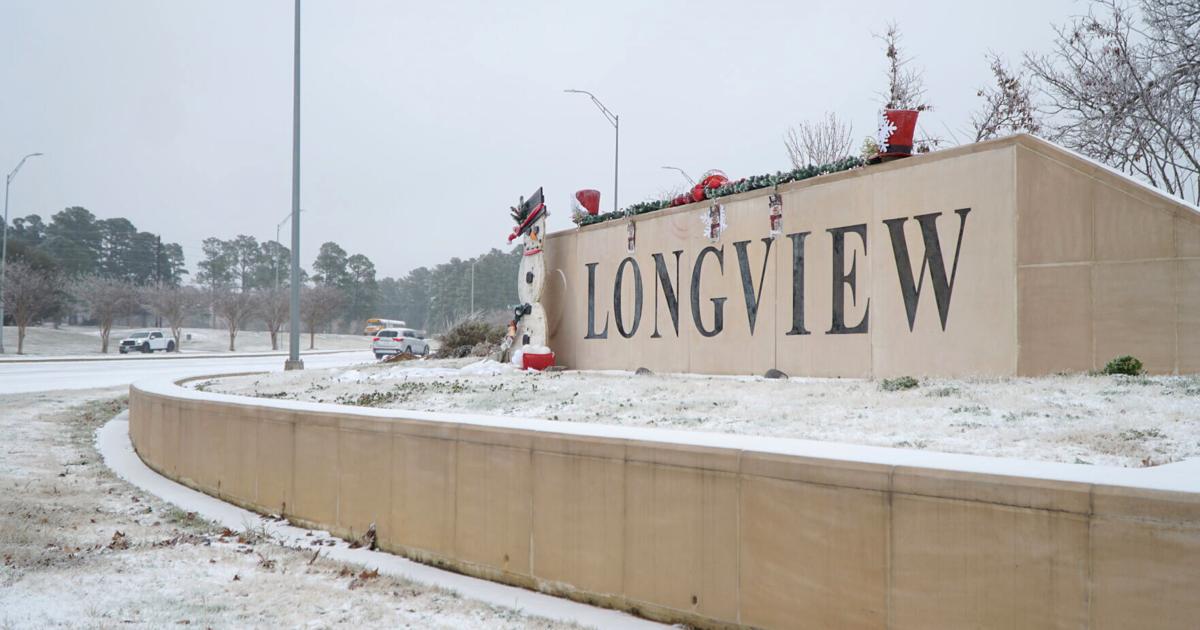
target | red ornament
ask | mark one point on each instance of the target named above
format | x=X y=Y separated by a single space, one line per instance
x=589 y=200
x=712 y=180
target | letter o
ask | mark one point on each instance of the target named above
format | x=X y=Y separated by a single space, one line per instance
x=637 y=298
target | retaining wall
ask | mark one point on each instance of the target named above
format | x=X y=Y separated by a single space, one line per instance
x=709 y=529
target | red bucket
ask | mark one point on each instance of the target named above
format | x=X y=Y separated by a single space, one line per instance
x=537 y=361
x=900 y=141
x=589 y=200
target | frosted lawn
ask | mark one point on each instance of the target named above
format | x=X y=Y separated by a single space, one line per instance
x=1109 y=420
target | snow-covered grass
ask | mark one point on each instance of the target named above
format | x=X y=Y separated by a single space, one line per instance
x=1077 y=418
x=85 y=340
x=81 y=548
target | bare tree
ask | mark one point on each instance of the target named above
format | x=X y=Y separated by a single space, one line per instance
x=235 y=308
x=29 y=295
x=318 y=306
x=1007 y=105
x=906 y=84
x=819 y=142
x=106 y=299
x=275 y=308
x=173 y=305
x=1124 y=88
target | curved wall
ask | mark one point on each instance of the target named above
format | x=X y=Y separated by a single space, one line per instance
x=710 y=529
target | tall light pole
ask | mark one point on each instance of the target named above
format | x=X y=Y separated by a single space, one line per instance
x=4 y=242
x=293 y=361
x=616 y=123
x=681 y=172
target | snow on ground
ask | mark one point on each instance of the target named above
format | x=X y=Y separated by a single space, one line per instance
x=81 y=548
x=85 y=340
x=16 y=377
x=1107 y=420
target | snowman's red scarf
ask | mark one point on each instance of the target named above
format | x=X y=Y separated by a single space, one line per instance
x=527 y=223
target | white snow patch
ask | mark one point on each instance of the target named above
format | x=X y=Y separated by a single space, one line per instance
x=1074 y=419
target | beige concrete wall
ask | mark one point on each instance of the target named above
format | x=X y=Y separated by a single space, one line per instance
x=980 y=332
x=1105 y=268
x=1063 y=266
x=711 y=530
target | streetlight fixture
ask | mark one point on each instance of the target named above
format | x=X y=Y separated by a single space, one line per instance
x=293 y=361
x=681 y=172
x=279 y=227
x=615 y=120
x=4 y=241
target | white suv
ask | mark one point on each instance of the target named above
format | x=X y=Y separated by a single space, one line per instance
x=147 y=341
x=397 y=340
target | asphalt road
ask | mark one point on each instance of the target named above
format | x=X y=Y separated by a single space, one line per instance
x=16 y=378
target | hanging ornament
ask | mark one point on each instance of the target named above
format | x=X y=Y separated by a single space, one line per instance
x=714 y=222
x=775 y=216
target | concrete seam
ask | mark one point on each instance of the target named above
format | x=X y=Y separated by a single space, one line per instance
x=1130 y=261
x=1016 y=261
x=1087 y=592
x=890 y=551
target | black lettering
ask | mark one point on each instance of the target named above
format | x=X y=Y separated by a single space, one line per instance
x=910 y=290
x=752 y=297
x=842 y=279
x=637 y=297
x=663 y=277
x=591 y=331
x=798 y=283
x=718 y=303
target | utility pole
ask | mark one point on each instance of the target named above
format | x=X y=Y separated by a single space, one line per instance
x=4 y=242
x=158 y=274
x=615 y=121
x=293 y=362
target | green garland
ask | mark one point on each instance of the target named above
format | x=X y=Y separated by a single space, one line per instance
x=755 y=182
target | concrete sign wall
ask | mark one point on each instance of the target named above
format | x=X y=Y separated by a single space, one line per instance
x=916 y=267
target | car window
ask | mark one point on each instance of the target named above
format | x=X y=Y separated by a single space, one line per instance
x=408 y=333
x=387 y=333
x=138 y=335
x=156 y=335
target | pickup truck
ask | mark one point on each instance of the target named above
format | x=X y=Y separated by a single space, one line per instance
x=147 y=341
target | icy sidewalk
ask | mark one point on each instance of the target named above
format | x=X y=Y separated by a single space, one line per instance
x=112 y=442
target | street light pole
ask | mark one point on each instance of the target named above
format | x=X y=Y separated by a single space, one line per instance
x=4 y=242
x=615 y=121
x=681 y=172
x=293 y=362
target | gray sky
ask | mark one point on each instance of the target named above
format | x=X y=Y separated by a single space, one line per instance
x=423 y=121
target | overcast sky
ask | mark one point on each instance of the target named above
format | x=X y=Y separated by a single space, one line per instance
x=423 y=121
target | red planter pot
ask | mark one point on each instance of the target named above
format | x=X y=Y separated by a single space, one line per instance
x=537 y=361
x=589 y=200
x=900 y=142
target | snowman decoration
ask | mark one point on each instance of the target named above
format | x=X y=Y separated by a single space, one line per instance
x=527 y=332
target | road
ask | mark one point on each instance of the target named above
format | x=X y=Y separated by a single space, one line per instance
x=17 y=378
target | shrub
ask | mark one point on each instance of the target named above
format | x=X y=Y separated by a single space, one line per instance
x=898 y=383
x=462 y=338
x=1126 y=365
